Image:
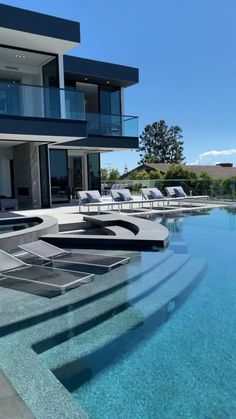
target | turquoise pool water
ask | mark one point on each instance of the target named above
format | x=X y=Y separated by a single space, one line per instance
x=135 y=364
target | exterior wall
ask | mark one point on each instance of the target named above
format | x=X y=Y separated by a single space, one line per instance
x=27 y=176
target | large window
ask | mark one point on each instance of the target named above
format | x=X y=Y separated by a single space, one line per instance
x=110 y=109
x=91 y=96
x=10 y=96
x=94 y=181
x=110 y=103
x=51 y=96
x=59 y=176
x=78 y=173
x=102 y=107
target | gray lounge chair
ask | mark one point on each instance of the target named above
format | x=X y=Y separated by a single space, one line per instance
x=156 y=195
x=42 y=280
x=123 y=196
x=87 y=262
x=93 y=199
x=178 y=192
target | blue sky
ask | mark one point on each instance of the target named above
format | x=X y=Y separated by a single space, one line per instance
x=186 y=53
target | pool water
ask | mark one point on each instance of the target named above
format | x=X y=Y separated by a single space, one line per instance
x=134 y=365
x=11 y=226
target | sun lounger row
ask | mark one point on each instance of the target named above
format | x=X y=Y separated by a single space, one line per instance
x=119 y=197
x=123 y=196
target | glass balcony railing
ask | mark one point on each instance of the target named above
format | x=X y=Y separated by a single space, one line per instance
x=41 y=102
x=50 y=102
x=112 y=125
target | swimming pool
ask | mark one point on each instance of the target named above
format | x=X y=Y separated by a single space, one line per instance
x=8 y=226
x=128 y=361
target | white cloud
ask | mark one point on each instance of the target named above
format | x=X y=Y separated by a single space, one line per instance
x=216 y=156
x=214 y=153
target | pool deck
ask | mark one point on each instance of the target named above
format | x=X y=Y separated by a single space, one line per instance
x=69 y=213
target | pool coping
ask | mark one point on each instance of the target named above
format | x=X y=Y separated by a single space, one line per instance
x=47 y=224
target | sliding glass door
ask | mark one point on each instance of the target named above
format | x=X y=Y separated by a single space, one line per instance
x=110 y=109
x=59 y=176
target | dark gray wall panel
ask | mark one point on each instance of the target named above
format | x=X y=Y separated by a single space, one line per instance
x=26 y=175
x=98 y=71
x=42 y=126
x=108 y=142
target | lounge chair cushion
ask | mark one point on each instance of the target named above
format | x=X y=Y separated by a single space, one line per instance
x=83 y=197
x=93 y=197
x=170 y=191
x=179 y=192
x=125 y=195
x=156 y=194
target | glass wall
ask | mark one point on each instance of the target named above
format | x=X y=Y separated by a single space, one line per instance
x=91 y=96
x=78 y=173
x=59 y=176
x=110 y=109
x=110 y=102
x=94 y=181
x=9 y=98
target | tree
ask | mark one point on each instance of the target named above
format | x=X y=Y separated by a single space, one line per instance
x=109 y=174
x=139 y=175
x=104 y=174
x=176 y=171
x=114 y=174
x=155 y=174
x=161 y=144
x=187 y=178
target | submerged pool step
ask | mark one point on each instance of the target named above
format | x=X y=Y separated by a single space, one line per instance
x=100 y=310
x=74 y=361
x=101 y=287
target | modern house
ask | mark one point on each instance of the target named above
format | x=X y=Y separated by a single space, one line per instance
x=57 y=112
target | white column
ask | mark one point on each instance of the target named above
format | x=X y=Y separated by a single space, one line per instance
x=62 y=84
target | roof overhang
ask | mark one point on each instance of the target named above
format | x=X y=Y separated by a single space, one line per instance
x=106 y=143
x=100 y=72
x=35 y=138
x=36 y=31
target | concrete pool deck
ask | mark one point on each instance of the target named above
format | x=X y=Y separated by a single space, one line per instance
x=69 y=213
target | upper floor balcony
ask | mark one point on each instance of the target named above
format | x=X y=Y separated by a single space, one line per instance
x=28 y=101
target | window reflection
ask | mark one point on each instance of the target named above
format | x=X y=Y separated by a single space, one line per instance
x=94 y=182
x=59 y=176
